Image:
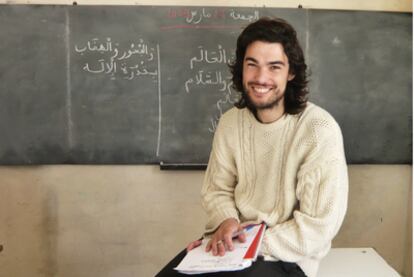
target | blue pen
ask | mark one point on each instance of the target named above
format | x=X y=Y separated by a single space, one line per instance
x=247 y=228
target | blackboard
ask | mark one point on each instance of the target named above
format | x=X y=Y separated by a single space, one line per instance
x=144 y=85
x=33 y=117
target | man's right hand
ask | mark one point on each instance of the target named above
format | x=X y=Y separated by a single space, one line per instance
x=222 y=240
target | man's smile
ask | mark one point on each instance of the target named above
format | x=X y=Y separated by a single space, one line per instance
x=261 y=89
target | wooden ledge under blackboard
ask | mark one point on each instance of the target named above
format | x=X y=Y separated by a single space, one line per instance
x=182 y=166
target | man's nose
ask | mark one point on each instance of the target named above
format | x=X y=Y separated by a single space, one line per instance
x=262 y=75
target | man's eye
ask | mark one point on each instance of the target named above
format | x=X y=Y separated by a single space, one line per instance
x=274 y=67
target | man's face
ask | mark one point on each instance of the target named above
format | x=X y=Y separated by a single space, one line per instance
x=265 y=74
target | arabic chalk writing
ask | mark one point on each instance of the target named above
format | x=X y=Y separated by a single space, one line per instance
x=217 y=56
x=222 y=105
x=103 y=56
x=239 y=16
x=209 y=78
x=217 y=77
x=200 y=15
x=214 y=56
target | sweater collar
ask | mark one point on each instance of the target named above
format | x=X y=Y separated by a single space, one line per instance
x=268 y=126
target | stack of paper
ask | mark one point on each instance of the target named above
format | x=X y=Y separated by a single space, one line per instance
x=199 y=261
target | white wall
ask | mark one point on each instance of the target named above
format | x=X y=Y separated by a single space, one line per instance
x=131 y=220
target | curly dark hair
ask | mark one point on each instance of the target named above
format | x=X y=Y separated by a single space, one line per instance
x=273 y=30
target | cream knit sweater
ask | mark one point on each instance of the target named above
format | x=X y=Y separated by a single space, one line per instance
x=291 y=174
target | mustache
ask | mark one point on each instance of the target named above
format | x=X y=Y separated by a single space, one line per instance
x=255 y=83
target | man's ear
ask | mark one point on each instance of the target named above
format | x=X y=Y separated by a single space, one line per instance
x=291 y=76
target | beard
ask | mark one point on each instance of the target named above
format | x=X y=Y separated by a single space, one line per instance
x=274 y=101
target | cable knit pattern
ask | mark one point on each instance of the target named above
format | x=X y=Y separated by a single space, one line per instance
x=291 y=174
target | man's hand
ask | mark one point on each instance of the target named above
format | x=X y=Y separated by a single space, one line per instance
x=222 y=240
x=193 y=245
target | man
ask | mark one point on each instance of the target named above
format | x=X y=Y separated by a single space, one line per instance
x=276 y=159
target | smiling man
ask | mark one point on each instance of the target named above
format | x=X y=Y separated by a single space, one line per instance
x=265 y=76
x=276 y=158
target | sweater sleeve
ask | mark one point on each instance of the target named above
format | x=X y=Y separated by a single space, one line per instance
x=220 y=178
x=322 y=192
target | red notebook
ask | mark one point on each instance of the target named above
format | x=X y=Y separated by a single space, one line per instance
x=253 y=249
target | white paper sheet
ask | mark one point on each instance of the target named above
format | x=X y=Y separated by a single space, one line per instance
x=199 y=261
